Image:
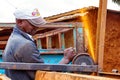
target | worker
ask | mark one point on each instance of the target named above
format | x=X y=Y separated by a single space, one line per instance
x=21 y=47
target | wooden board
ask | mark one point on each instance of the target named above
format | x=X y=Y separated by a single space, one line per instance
x=4 y=77
x=48 y=67
x=44 y=75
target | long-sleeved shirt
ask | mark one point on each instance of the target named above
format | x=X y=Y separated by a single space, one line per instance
x=21 y=48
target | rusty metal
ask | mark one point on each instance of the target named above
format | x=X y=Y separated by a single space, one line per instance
x=48 y=67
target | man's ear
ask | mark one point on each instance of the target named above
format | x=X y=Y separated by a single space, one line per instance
x=19 y=22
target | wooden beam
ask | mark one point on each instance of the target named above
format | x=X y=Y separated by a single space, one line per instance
x=3 y=38
x=111 y=75
x=101 y=25
x=63 y=40
x=7 y=25
x=49 y=42
x=48 y=25
x=57 y=25
x=47 y=67
x=51 y=51
x=51 y=33
x=3 y=42
x=59 y=38
x=39 y=45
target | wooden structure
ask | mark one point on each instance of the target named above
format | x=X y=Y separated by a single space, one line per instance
x=90 y=17
x=54 y=38
x=100 y=43
x=109 y=45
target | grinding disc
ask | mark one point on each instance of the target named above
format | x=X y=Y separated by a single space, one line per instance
x=83 y=59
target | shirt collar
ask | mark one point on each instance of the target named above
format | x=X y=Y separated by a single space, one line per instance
x=26 y=35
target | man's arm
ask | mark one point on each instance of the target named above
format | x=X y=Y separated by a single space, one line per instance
x=69 y=54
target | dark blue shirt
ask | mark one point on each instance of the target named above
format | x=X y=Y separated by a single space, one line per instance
x=21 y=48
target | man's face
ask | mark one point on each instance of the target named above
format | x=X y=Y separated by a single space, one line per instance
x=27 y=27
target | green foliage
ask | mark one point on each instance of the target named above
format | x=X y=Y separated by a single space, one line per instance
x=116 y=1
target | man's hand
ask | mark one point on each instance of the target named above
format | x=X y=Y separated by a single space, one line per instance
x=69 y=53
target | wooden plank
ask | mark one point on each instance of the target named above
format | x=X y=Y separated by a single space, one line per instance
x=48 y=25
x=7 y=25
x=39 y=45
x=45 y=75
x=111 y=75
x=3 y=42
x=67 y=17
x=60 y=25
x=49 y=42
x=51 y=51
x=48 y=67
x=63 y=40
x=80 y=46
x=57 y=25
x=75 y=38
x=2 y=38
x=51 y=33
x=59 y=38
x=101 y=25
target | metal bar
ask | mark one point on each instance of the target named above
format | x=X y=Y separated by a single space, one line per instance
x=47 y=67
